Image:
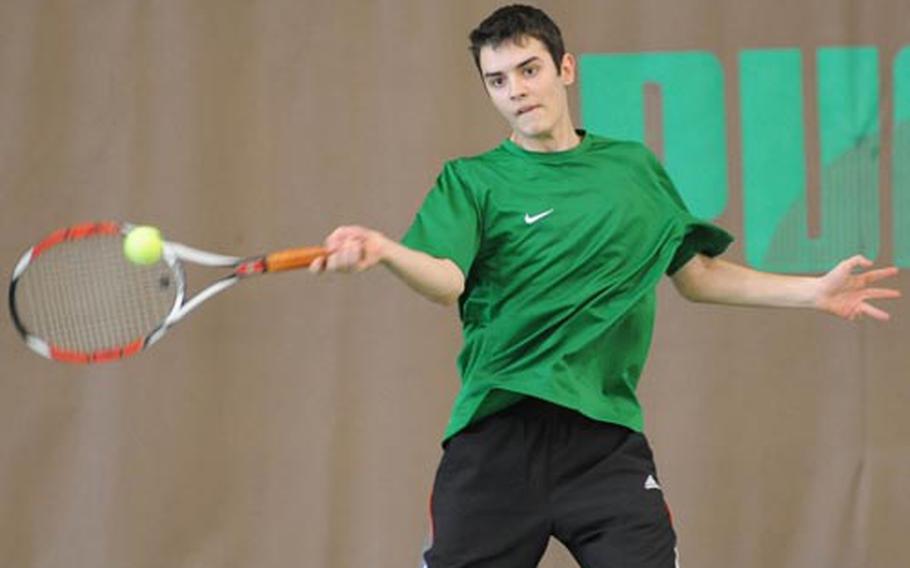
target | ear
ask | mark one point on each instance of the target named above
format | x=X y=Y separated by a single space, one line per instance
x=567 y=69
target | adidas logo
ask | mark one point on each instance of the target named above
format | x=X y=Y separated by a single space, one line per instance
x=651 y=483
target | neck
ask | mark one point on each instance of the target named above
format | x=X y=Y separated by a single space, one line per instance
x=562 y=137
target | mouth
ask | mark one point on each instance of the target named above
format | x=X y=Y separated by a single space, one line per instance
x=526 y=109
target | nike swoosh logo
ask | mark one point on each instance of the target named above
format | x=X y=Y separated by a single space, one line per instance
x=531 y=219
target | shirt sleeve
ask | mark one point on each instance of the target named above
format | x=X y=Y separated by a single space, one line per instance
x=699 y=236
x=448 y=224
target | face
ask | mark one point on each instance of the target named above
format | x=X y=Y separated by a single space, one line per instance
x=526 y=89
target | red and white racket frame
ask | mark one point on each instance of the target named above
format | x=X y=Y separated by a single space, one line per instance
x=173 y=254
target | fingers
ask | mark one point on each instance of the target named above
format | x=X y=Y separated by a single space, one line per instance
x=344 y=234
x=317 y=265
x=346 y=258
x=860 y=261
x=854 y=262
x=879 y=274
x=873 y=312
x=861 y=308
x=852 y=268
x=345 y=247
x=349 y=256
x=881 y=293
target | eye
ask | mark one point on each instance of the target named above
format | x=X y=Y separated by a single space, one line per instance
x=530 y=70
x=496 y=82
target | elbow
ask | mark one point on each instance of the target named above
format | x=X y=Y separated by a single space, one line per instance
x=692 y=296
x=447 y=300
x=689 y=280
x=688 y=288
x=453 y=288
x=685 y=291
x=693 y=291
x=449 y=297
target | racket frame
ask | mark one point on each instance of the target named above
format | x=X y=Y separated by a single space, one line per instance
x=174 y=255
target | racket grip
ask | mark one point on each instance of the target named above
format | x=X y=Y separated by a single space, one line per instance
x=293 y=258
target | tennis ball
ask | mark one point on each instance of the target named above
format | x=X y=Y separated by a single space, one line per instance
x=143 y=245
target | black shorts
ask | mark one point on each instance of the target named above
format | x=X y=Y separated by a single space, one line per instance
x=535 y=470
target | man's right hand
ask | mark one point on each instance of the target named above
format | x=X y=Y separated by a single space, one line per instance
x=352 y=249
x=355 y=249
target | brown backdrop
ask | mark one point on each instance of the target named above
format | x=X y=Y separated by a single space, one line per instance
x=295 y=421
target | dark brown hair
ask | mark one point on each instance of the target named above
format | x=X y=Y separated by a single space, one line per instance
x=513 y=23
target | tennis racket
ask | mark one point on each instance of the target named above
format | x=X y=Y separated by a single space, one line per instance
x=74 y=296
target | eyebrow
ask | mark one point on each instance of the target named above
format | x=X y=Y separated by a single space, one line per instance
x=522 y=64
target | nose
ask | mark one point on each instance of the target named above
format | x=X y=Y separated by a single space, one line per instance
x=517 y=88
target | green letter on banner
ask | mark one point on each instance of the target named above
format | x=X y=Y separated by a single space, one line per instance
x=774 y=168
x=695 y=147
x=900 y=161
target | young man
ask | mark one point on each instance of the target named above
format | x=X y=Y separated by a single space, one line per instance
x=553 y=244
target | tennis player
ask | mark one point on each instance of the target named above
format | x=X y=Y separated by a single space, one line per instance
x=552 y=244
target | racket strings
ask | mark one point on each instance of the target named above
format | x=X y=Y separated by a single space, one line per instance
x=85 y=296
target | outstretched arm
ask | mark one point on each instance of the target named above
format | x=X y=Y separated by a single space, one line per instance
x=354 y=249
x=843 y=292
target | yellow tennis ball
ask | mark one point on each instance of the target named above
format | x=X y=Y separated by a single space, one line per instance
x=143 y=245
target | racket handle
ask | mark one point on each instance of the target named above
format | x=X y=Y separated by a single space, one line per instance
x=293 y=258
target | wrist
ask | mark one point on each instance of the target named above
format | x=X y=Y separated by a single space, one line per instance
x=385 y=248
x=815 y=294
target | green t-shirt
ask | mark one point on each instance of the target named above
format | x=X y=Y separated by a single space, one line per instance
x=562 y=253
